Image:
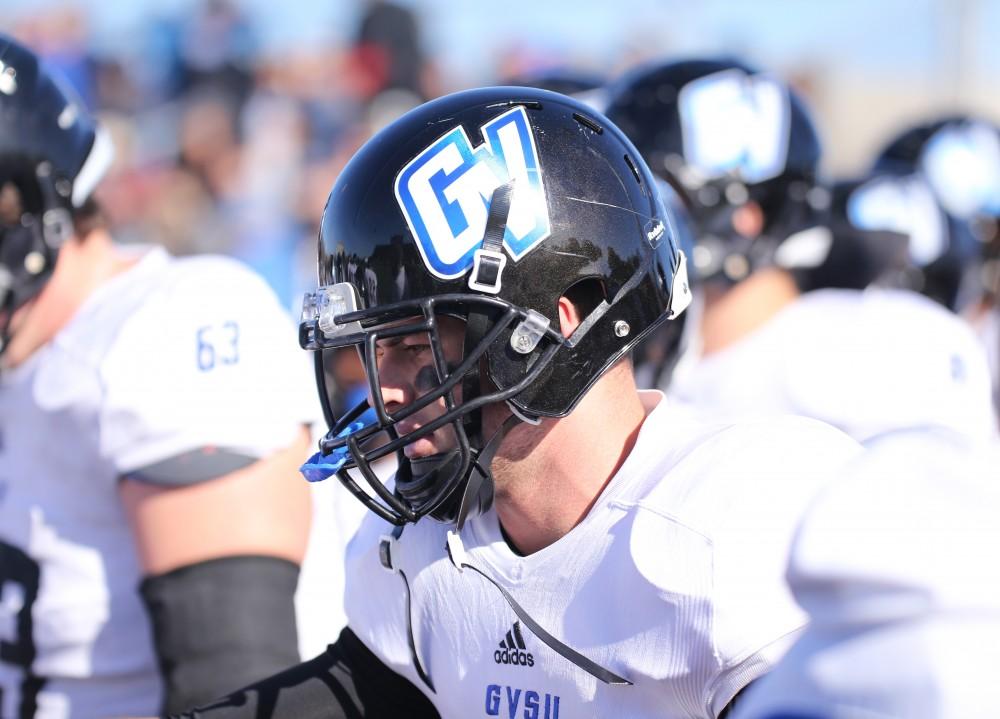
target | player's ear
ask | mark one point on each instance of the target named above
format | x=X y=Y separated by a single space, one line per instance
x=569 y=316
x=578 y=302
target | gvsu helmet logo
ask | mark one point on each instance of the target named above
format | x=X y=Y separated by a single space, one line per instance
x=445 y=191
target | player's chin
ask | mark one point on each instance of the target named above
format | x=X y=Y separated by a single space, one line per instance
x=427 y=447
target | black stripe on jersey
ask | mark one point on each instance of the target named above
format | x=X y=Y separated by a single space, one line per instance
x=517 y=635
x=197 y=465
x=510 y=641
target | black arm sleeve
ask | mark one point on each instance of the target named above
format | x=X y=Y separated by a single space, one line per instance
x=220 y=624
x=347 y=681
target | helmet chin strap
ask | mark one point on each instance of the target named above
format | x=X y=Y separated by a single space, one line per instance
x=479 y=486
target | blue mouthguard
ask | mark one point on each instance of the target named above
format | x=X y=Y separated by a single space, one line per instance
x=323 y=466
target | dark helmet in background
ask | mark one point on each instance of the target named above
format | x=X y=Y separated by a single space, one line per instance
x=51 y=157
x=724 y=135
x=959 y=158
x=487 y=205
x=892 y=231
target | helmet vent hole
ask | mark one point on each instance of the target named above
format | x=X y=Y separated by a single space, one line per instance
x=634 y=169
x=588 y=123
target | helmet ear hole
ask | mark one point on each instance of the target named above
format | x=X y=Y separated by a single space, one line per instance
x=586 y=295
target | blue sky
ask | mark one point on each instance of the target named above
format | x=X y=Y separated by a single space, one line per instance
x=881 y=37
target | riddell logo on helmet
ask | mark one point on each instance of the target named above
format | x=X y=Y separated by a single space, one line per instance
x=655 y=233
x=512 y=649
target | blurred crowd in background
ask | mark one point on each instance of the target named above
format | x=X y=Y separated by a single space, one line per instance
x=222 y=149
x=231 y=120
x=228 y=141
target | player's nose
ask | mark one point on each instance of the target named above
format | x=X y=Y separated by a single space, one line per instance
x=394 y=386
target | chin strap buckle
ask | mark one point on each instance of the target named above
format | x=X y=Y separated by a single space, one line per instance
x=487 y=267
x=489 y=260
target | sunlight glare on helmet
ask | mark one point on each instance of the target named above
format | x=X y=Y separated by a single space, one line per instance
x=963 y=166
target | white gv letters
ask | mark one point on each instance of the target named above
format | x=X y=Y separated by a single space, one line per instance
x=734 y=122
x=444 y=193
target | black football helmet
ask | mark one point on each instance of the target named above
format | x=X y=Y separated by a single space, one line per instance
x=724 y=134
x=959 y=158
x=891 y=230
x=487 y=205
x=51 y=157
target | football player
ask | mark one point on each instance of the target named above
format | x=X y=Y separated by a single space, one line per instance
x=959 y=159
x=905 y=614
x=151 y=421
x=784 y=328
x=555 y=542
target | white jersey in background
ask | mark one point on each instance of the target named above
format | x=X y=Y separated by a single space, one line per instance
x=673 y=581
x=174 y=358
x=895 y=564
x=987 y=329
x=319 y=600
x=866 y=362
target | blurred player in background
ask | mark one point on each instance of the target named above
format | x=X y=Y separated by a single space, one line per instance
x=784 y=327
x=892 y=564
x=958 y=158
x=151 y=420
x=559 y=543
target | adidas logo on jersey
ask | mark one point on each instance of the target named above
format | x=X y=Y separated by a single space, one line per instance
x=512 y=649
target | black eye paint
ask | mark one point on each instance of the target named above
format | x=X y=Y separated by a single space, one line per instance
x=427 y=379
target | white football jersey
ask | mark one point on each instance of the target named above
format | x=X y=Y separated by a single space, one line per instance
x=987 y=329
x=319 y=599
x=867 y=362
x=673 y=581
x=895 y=565
x=171 y=356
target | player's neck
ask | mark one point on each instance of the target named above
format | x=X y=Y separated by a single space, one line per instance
x=545 y=492
x=96 y=261
x=745 y=307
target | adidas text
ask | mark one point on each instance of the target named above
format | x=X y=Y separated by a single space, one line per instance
x=513 y=656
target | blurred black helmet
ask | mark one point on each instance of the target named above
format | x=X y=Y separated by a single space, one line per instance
x=487 y=205
x=723 y=134
x=51 y=158
x=959 y=158
x=891 y=230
